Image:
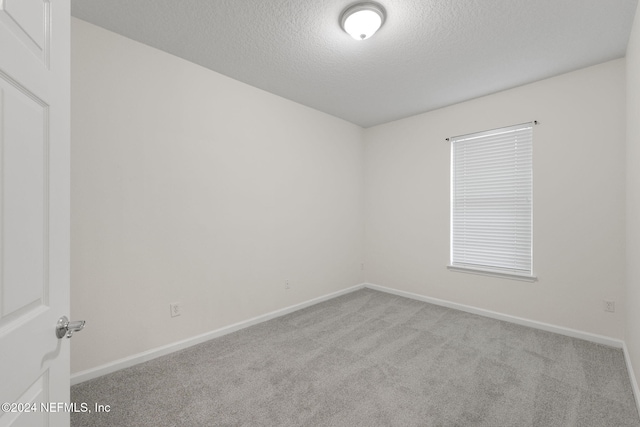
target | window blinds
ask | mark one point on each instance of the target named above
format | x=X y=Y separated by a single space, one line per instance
x=491 y=201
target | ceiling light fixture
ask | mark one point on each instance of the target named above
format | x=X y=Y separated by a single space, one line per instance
x=362 y=20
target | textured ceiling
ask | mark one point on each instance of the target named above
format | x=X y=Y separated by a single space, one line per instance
x=429 y=53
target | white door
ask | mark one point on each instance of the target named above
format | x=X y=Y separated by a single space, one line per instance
x=34 y=211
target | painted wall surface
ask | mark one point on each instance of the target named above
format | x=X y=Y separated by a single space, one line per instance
x=579 y=201
x=192 y=187
x=632 y=337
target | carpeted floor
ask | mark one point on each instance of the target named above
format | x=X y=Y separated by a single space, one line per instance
x=372 y=359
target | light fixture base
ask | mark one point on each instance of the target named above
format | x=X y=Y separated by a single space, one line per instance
x=362 y=28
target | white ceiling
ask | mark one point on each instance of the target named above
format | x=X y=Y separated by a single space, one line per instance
x=428 y=54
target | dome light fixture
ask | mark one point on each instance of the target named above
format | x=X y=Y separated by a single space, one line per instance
x=362 y=20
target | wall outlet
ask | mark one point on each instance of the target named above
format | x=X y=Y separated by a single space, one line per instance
x=287 y=286
x=176 y=309
x=610 y=306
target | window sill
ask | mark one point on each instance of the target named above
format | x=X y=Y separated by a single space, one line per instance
x=492 y=273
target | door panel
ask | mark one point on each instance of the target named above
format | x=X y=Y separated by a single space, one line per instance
x=23 y=147
x=28 y=20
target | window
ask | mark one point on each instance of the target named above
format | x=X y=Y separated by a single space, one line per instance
x=491 y=202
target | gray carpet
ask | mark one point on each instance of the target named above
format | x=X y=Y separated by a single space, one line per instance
x=372 y=359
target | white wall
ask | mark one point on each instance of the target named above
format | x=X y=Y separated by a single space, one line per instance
x=579 y=200
x=191 y=187
x=633 y=197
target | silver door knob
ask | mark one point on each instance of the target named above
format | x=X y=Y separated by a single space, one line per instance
x=64 y=327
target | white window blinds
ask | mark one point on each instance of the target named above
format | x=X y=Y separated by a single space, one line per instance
x=491 y=201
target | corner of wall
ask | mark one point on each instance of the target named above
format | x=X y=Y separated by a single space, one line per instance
x=632 y=279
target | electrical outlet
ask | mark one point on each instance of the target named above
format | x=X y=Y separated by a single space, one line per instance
x=176 y=309
x=610 y=306
x=286 y=285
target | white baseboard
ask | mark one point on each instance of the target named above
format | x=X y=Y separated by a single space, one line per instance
x=632 y=377
x=600 y=339
x=145 y=356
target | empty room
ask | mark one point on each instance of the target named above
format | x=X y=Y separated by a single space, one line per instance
x=301 y=213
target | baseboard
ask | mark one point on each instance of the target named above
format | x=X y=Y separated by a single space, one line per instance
x=632 y=376
x=599 y=339
x=126 y=362
x=145 y=356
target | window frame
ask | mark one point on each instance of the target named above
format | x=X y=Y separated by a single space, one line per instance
x=486 y=268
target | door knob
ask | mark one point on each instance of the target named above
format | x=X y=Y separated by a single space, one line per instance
x=64 y=327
